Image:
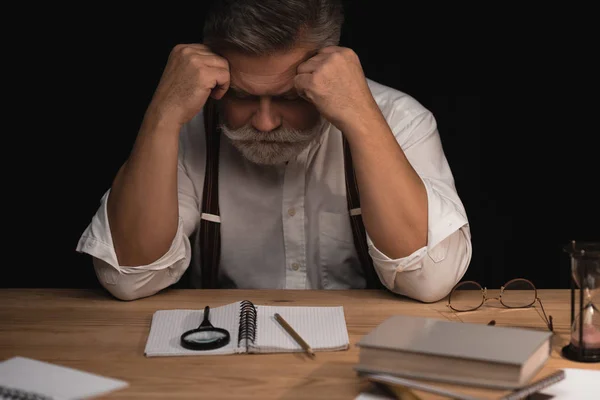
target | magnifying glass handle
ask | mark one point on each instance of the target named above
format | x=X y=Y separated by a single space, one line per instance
x=205 y=321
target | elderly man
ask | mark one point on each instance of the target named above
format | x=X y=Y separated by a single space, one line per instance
x=266 y=159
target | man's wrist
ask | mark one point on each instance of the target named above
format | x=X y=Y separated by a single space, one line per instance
x=157 y=120
x=362 y=124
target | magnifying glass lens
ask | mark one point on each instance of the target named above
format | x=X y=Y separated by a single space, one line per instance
x=204 y=337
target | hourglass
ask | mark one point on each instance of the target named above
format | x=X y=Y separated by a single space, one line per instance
x=584 y=345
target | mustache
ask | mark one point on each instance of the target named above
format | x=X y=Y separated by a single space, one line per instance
x=280 y=135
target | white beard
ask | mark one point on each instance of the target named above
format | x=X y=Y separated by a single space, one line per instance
x=271 y=148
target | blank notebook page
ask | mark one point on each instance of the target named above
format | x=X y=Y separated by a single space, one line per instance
x=323 y=328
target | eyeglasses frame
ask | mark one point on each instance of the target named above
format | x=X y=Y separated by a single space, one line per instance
x=485 y=298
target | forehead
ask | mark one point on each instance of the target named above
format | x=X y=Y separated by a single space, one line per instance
x=265 y=75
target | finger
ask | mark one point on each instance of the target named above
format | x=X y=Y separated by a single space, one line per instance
x=221 y=84
x=307 y=67
x=185 y=48
x=199 y=47
x=311 y=64
x=337 y=50
x=202 y=51
x=303 y=83
x=330 y=49
x=199 y=53
x=214 y=61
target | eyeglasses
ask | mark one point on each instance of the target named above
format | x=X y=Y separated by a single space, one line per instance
x=516 y=293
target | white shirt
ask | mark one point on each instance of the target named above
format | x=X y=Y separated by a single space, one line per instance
x=287 y=227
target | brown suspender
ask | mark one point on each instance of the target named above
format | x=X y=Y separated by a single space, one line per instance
x=358 y=227
x=208 y=235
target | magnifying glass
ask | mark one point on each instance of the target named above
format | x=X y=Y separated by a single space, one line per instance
x=206 y=336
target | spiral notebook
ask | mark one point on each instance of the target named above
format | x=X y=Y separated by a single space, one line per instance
x=253 y=329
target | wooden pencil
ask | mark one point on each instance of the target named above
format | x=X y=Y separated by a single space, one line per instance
x=294 y=334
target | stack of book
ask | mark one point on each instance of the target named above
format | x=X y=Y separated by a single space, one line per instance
x=461 y=360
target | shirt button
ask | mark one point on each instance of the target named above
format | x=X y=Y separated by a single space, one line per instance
x=292 y=212
x=295 y=266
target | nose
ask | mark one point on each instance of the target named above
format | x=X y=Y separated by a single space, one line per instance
x=266 y=118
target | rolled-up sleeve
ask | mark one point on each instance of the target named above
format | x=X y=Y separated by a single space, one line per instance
x=430 y=273
x=133 y=282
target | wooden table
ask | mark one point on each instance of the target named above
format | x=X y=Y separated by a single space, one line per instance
x=91 y=331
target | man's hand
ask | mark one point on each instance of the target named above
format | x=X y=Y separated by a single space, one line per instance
x=333 y=80
x=143 y=204
x=192 y=74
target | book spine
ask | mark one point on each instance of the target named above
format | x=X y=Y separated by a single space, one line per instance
x=247 y=327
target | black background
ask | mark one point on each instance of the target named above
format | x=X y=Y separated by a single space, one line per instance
x=511 y=107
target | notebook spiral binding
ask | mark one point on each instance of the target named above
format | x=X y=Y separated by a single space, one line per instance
x=7 y=393
x=536 y=386
x=247 y=327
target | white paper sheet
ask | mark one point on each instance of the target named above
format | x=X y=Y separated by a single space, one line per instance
x=53 y=381
x=579 y=384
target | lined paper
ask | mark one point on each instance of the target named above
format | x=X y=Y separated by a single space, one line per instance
x=168 y=326
x=323 y=328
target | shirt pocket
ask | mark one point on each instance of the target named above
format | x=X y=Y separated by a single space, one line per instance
x=339 y=264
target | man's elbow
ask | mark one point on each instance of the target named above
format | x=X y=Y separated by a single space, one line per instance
x=434 y=292
x=427 y=288
x=123 y=293
x=438 y=274
x=129 y=287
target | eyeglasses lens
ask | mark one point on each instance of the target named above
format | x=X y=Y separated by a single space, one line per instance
x=518 y=293
x=466 y=296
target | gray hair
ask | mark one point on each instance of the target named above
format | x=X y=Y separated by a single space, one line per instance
x=262 y=27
